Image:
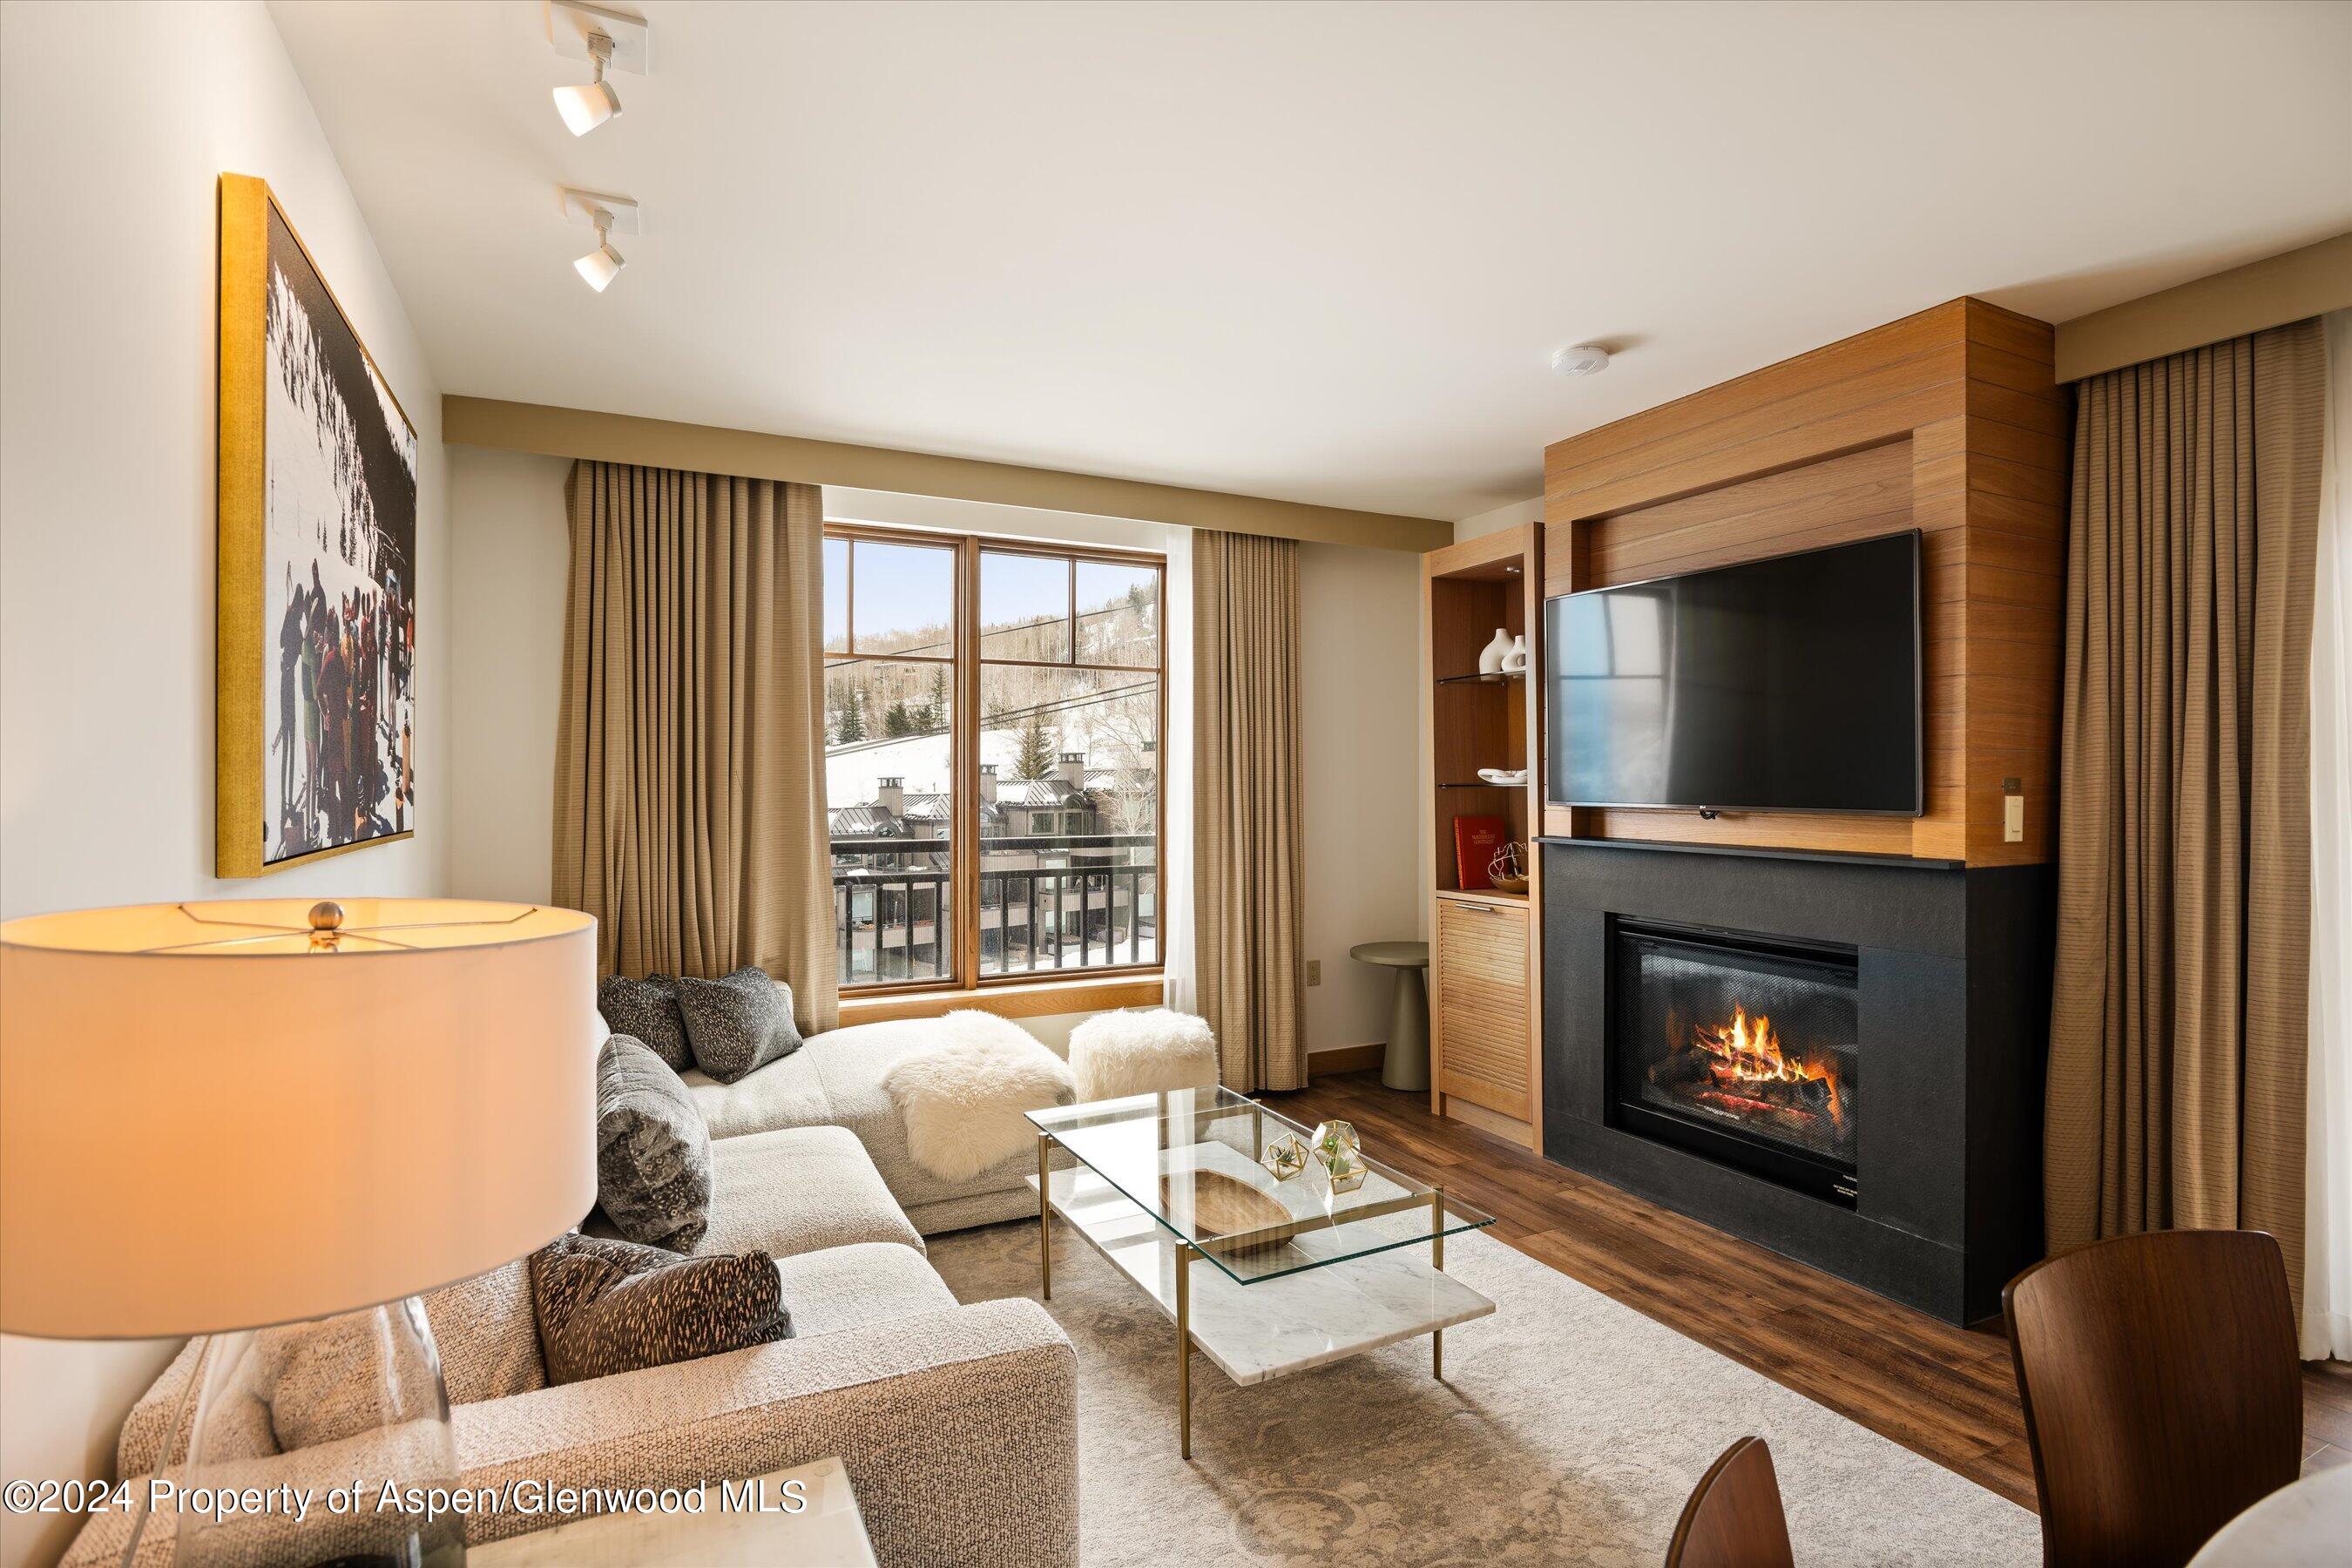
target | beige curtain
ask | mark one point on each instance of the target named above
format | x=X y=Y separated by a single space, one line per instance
x=1245 y=793
x=689 y=799
x=2177 y=1027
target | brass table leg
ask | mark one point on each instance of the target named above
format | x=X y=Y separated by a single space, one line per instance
x=1045 y=1217
x=1437 y=1261
x=1185 y=1349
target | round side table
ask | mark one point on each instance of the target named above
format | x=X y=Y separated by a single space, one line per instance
x=1406 y=1066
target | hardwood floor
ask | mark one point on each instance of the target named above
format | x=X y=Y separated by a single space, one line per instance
x=1945 y=1392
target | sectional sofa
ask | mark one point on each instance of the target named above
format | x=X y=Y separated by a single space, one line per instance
x=958 y=1423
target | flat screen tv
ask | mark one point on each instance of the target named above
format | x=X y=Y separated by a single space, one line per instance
x=1791 y=684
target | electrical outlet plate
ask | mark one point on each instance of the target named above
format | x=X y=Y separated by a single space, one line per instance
x=1314 y=972
x=571 y=23
x=2012 y=814
x=581 y=206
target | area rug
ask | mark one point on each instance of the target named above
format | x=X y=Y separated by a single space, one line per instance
x=1570 y=1429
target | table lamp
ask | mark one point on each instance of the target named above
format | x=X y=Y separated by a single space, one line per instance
x=280 y=1116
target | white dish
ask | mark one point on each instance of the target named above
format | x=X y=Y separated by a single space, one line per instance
x=1512 y=777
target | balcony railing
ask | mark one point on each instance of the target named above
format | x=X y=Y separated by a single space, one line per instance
x=1079 y=901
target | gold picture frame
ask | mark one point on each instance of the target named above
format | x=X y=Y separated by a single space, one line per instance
x=312 y=752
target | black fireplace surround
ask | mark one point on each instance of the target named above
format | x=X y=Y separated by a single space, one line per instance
x=1836 y=1057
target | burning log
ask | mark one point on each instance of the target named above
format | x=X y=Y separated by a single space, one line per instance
x=1740 y=1067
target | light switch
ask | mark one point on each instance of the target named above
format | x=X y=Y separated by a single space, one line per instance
x=2012 y=811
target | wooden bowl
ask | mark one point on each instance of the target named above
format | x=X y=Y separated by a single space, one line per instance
x=1223 y=1205
x=1510 y=884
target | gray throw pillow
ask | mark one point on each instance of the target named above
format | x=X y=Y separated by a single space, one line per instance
x=646 y=1009
x=741 y=1022
x=608 y=1306
x=652 y=1149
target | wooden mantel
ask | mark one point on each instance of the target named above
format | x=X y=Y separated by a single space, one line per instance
x=1951 y=421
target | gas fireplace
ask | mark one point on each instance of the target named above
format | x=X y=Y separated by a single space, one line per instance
x=1740 y=1047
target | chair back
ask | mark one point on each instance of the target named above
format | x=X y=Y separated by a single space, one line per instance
x=2162 y=1395
x=1733 y=1519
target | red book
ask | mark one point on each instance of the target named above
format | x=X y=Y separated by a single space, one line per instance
x=1476 y=839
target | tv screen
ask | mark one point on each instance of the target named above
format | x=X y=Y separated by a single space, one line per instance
x=1791 y=684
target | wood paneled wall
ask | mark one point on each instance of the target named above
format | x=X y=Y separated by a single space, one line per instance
x=1950 y=421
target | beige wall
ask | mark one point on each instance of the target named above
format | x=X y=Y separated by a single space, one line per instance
x=1361 y=612
x=115 y=122
x=1360 y=622
x=510 y=552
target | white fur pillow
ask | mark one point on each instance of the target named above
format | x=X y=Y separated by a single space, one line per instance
x=1118 y=1054
x=961 y=1099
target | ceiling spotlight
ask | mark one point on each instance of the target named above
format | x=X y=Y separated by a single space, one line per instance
x=601 y=265
x=607 y=215
x=1581 y=359
x=585 y=108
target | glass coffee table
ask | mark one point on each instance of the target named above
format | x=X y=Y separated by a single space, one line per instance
x=1296 y=1275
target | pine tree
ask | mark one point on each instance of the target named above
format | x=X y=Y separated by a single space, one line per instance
x=853 y=718
x=897 y=720
x=935 y=707
x=1034 y=756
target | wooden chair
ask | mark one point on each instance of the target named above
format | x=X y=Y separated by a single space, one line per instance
x=2161 y=1391
x=1734 y=1517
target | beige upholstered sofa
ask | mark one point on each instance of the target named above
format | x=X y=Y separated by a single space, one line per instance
x=958 y=1423
x=835 y=1079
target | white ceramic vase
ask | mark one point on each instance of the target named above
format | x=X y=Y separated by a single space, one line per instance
x=1515 y=662
x=1491 y=657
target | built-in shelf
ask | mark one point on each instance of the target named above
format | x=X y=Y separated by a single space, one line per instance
x=1484 y=972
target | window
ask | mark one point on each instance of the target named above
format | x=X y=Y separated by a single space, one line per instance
x=992 y=720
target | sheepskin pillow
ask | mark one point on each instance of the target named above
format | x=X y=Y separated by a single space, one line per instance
x=961 y=1097
x=1115 y=1054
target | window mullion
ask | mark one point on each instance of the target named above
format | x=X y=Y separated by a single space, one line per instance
x=964 y=882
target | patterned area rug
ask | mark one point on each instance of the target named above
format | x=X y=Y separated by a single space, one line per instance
x=1569 y=1430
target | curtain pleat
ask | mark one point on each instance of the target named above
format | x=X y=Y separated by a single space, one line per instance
x=2177 y=1044
x=690 y=801
x=1247 y=820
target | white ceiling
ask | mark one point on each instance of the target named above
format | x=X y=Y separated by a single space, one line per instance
x=1320 y=252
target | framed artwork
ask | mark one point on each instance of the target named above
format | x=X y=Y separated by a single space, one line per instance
x=315 y=699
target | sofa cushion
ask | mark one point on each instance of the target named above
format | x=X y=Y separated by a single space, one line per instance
x=850 y=1287
x=653 y=1152
x=647 y=1010
x=737 y=1023
x=487 y=1337
x=781 y=1094
x=608 y=1306
x=799 y=1189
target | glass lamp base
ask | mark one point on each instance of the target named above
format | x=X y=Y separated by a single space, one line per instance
x=322 y=1445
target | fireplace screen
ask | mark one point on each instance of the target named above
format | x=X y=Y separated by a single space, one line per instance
x=1739 y=1047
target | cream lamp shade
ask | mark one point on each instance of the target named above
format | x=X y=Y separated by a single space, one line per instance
x=228 y=1115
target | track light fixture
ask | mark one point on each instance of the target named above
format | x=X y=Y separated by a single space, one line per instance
x=610 y=40
x=601 y=265
x=585 y=108
x=606 y=214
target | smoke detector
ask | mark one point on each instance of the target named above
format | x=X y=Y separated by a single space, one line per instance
x=1581 y=359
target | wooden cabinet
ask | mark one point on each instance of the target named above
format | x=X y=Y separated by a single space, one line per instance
x=1485 y=1030
x=1481 y=1011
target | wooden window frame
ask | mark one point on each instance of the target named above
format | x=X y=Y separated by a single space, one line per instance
x=1033 y=990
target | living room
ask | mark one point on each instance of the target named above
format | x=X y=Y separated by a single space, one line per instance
x=1019 y=783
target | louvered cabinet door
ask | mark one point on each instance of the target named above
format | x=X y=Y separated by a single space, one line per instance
x=1482 y=1005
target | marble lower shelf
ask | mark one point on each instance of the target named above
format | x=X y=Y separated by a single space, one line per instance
x=1274 y=1327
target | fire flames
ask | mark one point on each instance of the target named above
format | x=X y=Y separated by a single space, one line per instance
x=1747 y=1071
